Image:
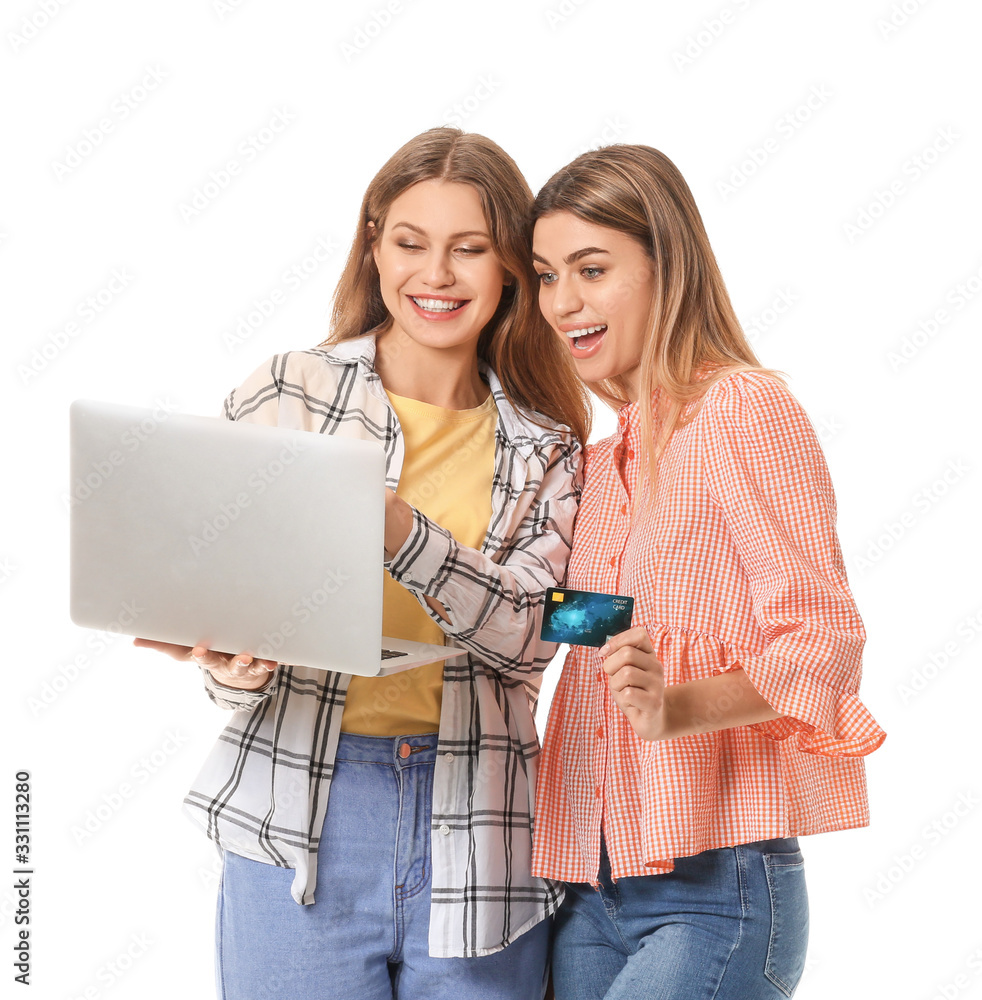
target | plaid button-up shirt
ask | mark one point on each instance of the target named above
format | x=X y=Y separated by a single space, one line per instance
x=263 y=791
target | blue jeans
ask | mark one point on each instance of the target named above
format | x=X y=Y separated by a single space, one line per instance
x=365 y=937
x=727 y=924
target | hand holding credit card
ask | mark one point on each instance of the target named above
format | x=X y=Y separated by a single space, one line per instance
x=584 y=617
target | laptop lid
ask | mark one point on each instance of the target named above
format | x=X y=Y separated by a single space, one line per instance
x=237 y=536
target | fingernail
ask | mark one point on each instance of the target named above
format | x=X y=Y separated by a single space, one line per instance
x=242 y=663
x=604 y=649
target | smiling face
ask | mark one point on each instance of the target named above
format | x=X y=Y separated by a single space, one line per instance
x=596 y=287
x=438 y=273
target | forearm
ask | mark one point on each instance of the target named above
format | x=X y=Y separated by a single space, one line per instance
x=723 y=701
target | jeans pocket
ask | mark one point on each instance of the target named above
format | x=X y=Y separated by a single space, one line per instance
x=788 y=941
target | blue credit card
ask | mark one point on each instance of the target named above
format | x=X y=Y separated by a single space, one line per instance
x=583 y=617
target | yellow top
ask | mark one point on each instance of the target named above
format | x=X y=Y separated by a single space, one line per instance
x=446 y=475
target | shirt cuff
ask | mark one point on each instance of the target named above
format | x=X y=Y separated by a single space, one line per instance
x=235 y=698
x=423 y=561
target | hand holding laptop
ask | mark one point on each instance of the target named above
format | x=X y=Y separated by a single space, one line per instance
x=242 y=671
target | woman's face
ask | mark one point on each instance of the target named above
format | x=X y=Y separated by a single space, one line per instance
x=439 y=277
x=595 y=289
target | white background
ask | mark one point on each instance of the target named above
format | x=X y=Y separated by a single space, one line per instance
x=797 y=202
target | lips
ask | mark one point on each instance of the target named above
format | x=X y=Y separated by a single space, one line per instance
x=584 y=338
x=436 y=309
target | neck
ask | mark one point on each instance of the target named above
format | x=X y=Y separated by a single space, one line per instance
x=442 y=376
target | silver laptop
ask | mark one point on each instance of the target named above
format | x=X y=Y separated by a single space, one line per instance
x=235 y=536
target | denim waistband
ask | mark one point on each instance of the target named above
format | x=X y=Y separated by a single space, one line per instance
x=400 y=751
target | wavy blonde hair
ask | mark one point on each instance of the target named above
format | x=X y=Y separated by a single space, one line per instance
x=694 y=338
x=531 y=363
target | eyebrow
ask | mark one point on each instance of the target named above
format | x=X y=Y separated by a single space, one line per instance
x=453 y=236
x=574 y=256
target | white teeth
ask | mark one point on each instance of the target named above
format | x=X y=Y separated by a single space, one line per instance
x=573 y=334
x=437 y=305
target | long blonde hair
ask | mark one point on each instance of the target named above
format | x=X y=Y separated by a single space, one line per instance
x=532 y=365
x=694 y=338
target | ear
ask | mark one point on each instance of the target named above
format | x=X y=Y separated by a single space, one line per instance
x=509 y=279
x=371 y=233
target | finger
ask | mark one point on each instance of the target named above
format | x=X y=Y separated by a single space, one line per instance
x=170 y=648
x=631 y=677
x=245 y=665
x=630 y=655
x=209 y=658
x=637 y=637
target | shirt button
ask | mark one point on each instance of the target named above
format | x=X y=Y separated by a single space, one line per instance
x=445 y=830
x=448 y=756
x=623 y=508
x=613 y=560
x=597 y=791
x=630 y=453
x=600 y=732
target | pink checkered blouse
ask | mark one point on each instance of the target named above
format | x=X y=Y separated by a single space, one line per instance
x=736 y=564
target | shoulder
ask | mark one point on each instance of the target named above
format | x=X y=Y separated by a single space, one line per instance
x=312 y=369
x=527 y=429
x=752 y=398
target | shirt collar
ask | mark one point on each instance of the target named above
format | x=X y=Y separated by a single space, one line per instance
x=517 y=427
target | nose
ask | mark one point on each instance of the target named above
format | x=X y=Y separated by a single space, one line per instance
x=436 y=271
x=566 y=299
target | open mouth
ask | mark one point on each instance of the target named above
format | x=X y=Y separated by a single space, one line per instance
x=438 y=305
x=586 y=337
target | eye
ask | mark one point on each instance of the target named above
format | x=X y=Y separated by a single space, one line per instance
x=407 y=245
x=472 y=251
x=592 y=272
x=546 y=277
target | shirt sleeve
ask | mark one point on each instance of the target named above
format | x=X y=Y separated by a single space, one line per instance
x=235 y=698
x=767 y=473
x=495 y=602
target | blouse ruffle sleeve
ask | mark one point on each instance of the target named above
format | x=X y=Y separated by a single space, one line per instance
x=767 y=474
